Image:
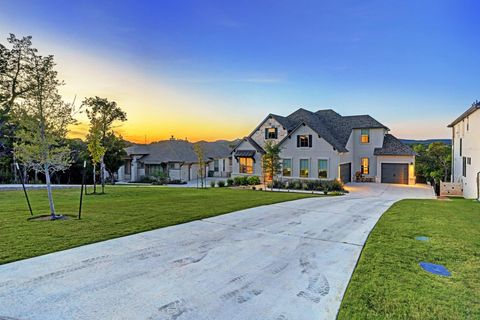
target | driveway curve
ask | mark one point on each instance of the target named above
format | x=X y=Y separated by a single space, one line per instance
x=291 y=260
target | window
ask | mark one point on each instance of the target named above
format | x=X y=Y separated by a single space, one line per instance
x=215 y=165
x=304 y=141
x=461 y=147
x=469 y=161
x=223 y=169
x=151 y=169
x=365 y=166
x=246 y=165
x=304 y=168
x=287 y=167
x=171 y=165
x=322 y=168
x=271 y=133
x=365 y=136
x=464 y=167
x=468 y=124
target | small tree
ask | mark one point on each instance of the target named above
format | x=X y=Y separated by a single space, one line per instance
x=114 y=154
x=96 y=150
x=43 y=119
x=201 y=163
x=271 y=161
x=103 y=113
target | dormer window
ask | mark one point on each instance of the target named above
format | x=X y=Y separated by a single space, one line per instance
x=365 y=136
x=271 y=133
x=304 y=141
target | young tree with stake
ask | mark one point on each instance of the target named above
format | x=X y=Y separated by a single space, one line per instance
x=43 y=119
x=201 y=162
x=96 y=150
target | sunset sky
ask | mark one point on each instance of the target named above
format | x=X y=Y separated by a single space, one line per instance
x=214 y=69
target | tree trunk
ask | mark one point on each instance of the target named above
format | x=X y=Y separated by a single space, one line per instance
x=112 y=177
x=102 y=175
x=49 y=191
x=94 y=178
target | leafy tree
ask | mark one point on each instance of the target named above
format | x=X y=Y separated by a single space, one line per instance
x=115 y=154
x=16 y=66
x=43 y=119
x=433 y=162
x=271 y=161
x=201 y=163
x=103 y=113
x=96 y=150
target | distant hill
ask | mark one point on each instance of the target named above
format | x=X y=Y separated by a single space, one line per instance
x=426 y=142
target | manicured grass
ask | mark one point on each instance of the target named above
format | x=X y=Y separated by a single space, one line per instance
x=388 y=283
x=122 y=211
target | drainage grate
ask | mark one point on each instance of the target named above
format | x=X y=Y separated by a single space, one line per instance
x=422 y=238
x=437 y=269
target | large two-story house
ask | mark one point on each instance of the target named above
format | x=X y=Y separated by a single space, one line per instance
x=466 y=151
x=326 y=145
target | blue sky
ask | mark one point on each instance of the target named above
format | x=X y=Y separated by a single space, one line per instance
x=214 y=69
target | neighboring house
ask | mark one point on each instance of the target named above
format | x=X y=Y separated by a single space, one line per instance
x=177 y=159
x=326 y=145
x=466 y=151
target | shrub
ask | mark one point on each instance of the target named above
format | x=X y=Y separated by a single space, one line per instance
x=221 y=184
x=230 y=182
x=160 y=177
x=254 y=188
x=146 y=179
x=240 y=181
x=253 y=180
x=296 y=185
x=212 y=184
x=177 y=181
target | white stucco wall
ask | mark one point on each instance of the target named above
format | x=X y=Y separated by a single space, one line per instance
x=471 y=149
x=320 y=150
x=361 y=150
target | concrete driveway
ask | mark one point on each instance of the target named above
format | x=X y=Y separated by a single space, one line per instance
x=291 y=260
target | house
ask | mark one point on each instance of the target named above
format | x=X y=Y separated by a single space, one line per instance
x=466 y=151
x=326 y=145
x=177 y=159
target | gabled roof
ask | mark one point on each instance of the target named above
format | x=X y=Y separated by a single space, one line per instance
x=252 y=142
x=475 y=106
x=393 y=147
x=178 y=151
x=328 y=124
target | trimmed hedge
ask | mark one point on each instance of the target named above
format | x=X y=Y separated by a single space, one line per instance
x=309 y=185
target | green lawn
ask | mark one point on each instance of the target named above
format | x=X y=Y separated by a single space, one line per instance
x=122 y=211
x=388 y=282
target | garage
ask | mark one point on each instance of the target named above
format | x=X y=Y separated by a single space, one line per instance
x=346 y=172
x=395 y=173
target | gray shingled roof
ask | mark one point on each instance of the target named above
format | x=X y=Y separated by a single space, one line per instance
x=393 y=147
x=178 y=151
x=331 y=126
x=252 y=142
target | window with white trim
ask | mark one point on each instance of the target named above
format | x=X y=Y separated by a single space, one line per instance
x=322 y=168
x=304 y=168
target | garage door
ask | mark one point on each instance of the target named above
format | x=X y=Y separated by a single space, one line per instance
x=346 y=172
x=395 y=173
